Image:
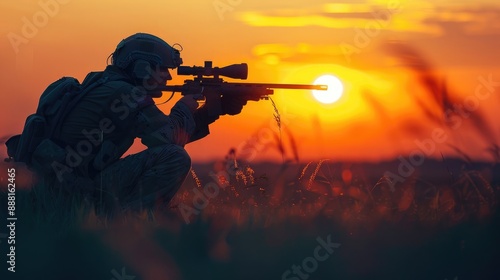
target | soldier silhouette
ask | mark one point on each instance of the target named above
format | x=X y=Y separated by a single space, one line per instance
x=121 y=109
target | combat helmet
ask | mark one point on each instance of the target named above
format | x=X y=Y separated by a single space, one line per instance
x=135 y=53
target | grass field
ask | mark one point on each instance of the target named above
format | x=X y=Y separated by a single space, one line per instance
x=440 y=223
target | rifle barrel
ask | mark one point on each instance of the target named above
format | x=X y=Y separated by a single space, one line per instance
x=280 y=86
x=180 y=88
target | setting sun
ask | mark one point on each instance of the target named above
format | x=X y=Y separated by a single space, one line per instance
x=334 y=92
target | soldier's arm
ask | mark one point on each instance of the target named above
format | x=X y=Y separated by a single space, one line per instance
x=180 y=127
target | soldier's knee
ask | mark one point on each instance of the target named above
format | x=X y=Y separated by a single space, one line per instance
x=183 y=159
x=174 y=155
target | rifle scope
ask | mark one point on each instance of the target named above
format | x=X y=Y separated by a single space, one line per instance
x=235 y=71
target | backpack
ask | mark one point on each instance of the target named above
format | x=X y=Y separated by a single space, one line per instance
x=56 y=101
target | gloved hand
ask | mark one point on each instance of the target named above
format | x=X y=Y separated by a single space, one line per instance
x=191 y=101
x=232 y=104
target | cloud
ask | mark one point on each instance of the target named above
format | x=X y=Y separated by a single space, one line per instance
x=329 y=15
x=275 y=53
x=473 y=20
x=399 y=16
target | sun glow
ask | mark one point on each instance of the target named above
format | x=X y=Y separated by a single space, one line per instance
x=334 y=92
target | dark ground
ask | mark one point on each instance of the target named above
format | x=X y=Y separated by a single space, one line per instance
x=440 y=223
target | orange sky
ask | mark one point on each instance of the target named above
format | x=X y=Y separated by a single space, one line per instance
x=384 y=112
